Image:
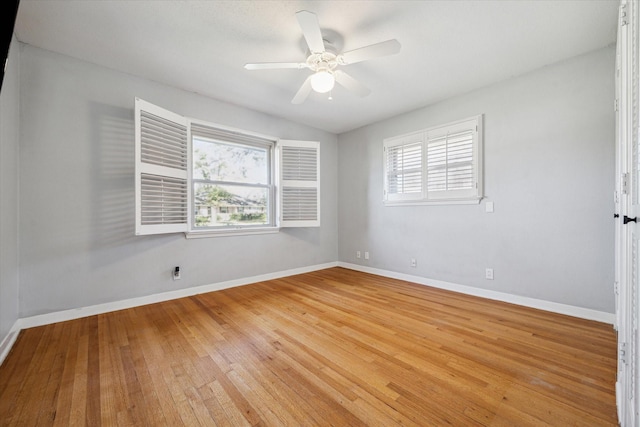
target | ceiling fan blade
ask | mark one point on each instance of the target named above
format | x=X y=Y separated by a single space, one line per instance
x=311 y=30
x=350 y=83
x=390 y=47
x=303 y=92
x=274 y=65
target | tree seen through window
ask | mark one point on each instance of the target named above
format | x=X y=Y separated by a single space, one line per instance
x=231 y=184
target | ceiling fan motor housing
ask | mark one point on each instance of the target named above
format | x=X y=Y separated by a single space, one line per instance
x=324 y=61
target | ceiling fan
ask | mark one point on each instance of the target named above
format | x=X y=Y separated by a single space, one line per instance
x=324 y=61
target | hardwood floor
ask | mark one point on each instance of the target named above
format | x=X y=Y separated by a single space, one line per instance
x=333 y=347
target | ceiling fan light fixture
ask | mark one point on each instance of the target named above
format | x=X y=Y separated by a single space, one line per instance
x=322 y=81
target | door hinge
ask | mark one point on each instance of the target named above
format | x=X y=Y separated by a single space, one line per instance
x=622 y=352
x=625 y=183
x=616 y=288
x=615 y=105
x=623 y=14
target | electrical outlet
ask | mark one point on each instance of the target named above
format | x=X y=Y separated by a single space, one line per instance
x=488 y=273
x=176 y=273
x=488 y=207
x=414 y=263
x=358 y=254
x=366 y=255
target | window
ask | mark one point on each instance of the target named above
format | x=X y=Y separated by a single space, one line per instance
x=205 y=179
x=438 y=165
x=232 y=182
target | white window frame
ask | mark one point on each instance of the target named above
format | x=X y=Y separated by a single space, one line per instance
x=301 y=216
x=271 y=142
x=423 y=137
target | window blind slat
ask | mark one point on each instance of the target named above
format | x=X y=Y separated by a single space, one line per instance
x=163 y=200
x=299 y=204
x=162 y=142
x=299 y=164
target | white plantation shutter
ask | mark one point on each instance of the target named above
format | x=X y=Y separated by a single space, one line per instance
x=451 y=161
x=443 y=163
x=299 y=192
x=161 y=170
x=403 y=165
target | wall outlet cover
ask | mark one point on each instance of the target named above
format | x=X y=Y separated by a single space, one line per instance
x=488 y=207
x=488 y=274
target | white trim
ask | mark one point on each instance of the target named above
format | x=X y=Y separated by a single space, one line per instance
x=205 y=233
x=152 y=169
x=554 y=307
x=61 y=316
x=432 y=202
x=9 y=340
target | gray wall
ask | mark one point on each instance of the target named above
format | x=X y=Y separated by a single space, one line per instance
x=9 y=137
x=549 y=148
x=549 y=169
x=77 y=243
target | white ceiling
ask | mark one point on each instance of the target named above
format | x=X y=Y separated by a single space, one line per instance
x=448 y=47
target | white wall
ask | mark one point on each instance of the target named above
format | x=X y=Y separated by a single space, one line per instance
x=549 y=169
x=9 y=136
x=77 y=243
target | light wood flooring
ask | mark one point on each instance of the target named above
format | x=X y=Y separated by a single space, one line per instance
x=332 y=347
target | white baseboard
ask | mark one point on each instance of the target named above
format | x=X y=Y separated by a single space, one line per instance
x=554 y=307
x=61 y=316
x=77 y=313
x=9 y=340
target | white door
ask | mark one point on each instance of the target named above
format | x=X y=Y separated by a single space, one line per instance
x=628 y=209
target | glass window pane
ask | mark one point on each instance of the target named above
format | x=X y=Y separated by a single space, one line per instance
x=230 y=205
x=217 y=161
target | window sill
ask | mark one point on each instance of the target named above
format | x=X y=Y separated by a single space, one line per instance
x=431 y=202
x=203 y=234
